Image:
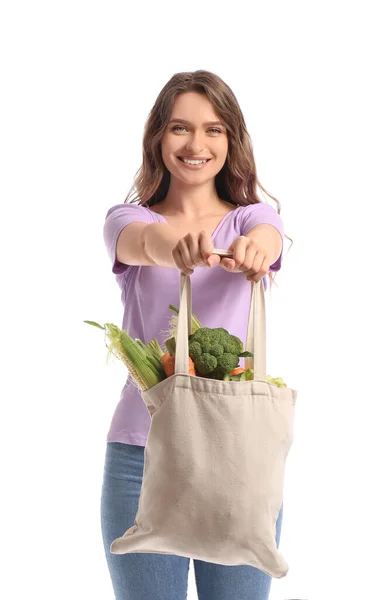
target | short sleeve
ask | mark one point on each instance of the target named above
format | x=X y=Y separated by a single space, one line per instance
x=261 y=213
x=117 y=218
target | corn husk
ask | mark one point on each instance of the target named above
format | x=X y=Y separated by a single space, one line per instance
x=145 y=369
x=171 y=332
x=155 y=347
x=151 y=357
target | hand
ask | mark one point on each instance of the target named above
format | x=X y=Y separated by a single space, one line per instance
x=249 y=258
x=194 y=250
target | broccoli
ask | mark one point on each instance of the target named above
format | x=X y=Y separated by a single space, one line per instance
x=215 y=352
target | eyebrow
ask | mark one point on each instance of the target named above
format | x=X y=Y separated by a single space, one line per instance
x=189 y=123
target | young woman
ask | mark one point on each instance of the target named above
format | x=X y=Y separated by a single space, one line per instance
x=197 y=191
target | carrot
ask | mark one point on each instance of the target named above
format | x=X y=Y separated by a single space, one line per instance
x=168 y=363
x=237 y=370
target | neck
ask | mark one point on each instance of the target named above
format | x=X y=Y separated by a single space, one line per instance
x=192 y=201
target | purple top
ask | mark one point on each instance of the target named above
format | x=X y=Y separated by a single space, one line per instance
x=219 y=298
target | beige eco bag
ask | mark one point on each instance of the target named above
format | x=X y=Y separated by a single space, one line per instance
x=215 y=457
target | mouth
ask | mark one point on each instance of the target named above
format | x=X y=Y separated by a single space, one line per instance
x=194 y=166
x=186 y=158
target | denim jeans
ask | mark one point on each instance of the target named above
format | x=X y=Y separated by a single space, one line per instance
x=146 y=576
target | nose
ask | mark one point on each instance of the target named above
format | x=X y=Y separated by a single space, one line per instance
x=194 y=144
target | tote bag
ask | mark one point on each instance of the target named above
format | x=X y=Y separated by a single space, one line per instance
x=214 y=459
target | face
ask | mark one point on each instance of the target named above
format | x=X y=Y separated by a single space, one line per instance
x=190 y=135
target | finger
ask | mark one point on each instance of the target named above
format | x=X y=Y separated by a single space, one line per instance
x=255 y=268
x=194 y=255
x=251 y=254
x=258 y=272
x=228 y=263
x=182 y=258
x=239 y=248
x=233 y=268
x=187 y=258
x=206 y=245
x=177 y=258
x=214 y=259
x=193 y=245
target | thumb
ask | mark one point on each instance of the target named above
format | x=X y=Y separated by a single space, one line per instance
x=213 y=259
x=227 y=263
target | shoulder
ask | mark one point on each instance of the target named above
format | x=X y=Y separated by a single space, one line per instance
x=258 y=213
x=129 y=210
x=256 y=208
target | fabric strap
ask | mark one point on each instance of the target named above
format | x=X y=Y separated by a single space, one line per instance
x=256 y=333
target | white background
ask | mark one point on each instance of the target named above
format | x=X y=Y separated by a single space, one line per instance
x=79 y=79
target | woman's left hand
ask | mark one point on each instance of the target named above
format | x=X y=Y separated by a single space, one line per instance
x=251 y=258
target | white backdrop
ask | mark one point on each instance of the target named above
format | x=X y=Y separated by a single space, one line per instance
x=79 y=79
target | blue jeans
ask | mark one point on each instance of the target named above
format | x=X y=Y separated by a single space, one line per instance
x=146 y=576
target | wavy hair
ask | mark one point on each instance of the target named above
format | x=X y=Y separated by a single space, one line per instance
x=237 y=182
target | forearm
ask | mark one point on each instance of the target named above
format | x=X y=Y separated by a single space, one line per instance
x=158 y=240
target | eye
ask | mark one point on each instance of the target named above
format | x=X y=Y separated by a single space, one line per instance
x=176 y=127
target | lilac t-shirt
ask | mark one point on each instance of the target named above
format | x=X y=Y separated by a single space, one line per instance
x=219 y=298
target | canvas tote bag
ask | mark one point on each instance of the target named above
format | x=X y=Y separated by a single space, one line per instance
x=214 y=459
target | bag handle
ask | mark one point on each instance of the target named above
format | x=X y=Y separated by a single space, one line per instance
x=256 y=334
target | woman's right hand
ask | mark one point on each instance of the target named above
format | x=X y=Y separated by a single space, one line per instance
x=195 y=250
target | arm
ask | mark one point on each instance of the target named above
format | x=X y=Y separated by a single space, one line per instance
x=146 y=244
x=158 y=240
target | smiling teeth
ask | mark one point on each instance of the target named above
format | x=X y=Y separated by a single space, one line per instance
x=193 y=162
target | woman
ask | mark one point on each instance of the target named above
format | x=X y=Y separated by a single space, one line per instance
x=196 y=192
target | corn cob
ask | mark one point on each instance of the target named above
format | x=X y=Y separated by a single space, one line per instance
x=137 y=357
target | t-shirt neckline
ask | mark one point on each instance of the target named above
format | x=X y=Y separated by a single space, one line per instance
x=219 y=225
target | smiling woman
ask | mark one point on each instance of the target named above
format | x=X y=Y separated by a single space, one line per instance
x=198 y=191
x=196 y=116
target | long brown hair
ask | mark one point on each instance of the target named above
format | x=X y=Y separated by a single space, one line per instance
x=237 y=182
